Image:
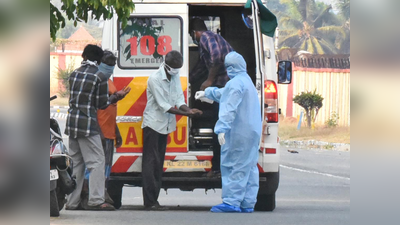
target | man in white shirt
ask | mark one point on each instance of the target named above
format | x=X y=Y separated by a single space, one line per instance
x=164 y=93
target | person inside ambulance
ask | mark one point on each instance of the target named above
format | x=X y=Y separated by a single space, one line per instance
x=209 y=71
x=164 y=93
x=239 y=130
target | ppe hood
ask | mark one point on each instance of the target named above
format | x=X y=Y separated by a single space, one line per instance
x=235 y=64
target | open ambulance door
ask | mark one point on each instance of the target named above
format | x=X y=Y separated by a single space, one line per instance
x=258 y=46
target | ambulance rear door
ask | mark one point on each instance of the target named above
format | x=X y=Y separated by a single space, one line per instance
x=152 y=31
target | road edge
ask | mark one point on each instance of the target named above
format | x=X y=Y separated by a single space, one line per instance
x=58 y=107
x=314 y=144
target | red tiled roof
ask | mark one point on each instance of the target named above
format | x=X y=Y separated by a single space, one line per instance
x=81 y=34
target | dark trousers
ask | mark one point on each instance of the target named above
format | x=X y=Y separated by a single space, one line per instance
x=108 y=146
x=154 y=147
x=216 y=160
x=208 y=120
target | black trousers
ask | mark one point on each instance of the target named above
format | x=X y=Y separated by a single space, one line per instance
x=216 y=160
x=154 y=147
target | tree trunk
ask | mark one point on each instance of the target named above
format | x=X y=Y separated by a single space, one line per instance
x=308 y=114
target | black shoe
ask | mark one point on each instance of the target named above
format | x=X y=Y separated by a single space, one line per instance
x=156 y=207
x=213 y=174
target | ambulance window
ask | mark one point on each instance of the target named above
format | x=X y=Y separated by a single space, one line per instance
x=144 y=42
x=213 y=23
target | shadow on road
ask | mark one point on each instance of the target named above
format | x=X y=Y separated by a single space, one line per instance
x=170 y=208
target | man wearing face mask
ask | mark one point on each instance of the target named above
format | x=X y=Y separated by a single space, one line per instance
x=107 y=122
x=164 y=93
x=88 y=93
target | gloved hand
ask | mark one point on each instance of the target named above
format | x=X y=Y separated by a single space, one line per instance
x=199 y=94
x=221 y=138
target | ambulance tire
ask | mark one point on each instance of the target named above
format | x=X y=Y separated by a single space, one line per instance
x=265 y=202
x=114 y=189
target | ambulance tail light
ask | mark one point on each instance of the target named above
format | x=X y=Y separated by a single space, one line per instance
x=270 y=151
x=271 y=101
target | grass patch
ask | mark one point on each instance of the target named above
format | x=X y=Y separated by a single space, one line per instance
x=288 y=131
x=59 y=101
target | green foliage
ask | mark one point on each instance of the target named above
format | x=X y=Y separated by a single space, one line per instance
x=311 y=102
x=67 y=30
x=82 y=10
x=344 y=6
x=333 y=120
x=63 y=76
x=311 y=26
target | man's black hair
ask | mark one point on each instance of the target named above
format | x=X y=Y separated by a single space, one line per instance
x=174 y=59
x=197 y=24
x=93 y=53
x=108 y=58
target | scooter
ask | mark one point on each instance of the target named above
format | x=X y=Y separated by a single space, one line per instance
x=61 y=181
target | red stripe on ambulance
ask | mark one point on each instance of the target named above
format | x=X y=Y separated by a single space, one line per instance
x=137 y=108
x=260 y=169
x=121 y=82
x=123 y=164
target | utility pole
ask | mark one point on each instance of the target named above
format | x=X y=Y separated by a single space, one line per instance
x=276 y=38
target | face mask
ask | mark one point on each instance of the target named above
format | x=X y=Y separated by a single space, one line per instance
x=229 y=71
x=106 y=69
x=172 y=71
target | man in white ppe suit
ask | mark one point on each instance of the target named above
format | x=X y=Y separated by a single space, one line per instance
x=239 y=131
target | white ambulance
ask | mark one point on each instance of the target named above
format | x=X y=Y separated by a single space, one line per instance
x=154 y=29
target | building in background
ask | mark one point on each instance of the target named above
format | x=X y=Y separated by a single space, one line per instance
x=328 y=74
x=67 y=53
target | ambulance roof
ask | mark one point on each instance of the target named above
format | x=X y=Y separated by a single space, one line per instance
x=193 y=1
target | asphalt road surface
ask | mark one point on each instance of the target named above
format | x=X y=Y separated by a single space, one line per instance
x=314 y=189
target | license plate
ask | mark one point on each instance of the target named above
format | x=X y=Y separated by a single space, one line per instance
x=186 y=164
x=53 y=174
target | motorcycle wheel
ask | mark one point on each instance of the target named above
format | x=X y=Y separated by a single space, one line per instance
x=54 y=204
x=60 y=200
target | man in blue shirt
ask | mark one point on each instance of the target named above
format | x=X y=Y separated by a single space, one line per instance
x=209 y=71
x=164 y=93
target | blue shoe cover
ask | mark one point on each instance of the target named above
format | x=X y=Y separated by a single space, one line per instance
x=246 y=210
x=225 y=208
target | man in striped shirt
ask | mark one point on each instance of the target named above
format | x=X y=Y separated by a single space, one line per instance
x=88 y=93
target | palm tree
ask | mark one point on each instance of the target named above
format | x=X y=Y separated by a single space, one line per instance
x=309 y=26
x=344 y=44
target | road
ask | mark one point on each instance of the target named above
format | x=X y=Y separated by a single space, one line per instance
x=314 y=189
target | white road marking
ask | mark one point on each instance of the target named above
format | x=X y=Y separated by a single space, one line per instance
x=58 y=115
x=314 y=172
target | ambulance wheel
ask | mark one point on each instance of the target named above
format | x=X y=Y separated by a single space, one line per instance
x=54 y=211
x=265 y=202
x=114 y=189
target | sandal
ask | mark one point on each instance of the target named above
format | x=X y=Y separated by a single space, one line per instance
x=102 y=207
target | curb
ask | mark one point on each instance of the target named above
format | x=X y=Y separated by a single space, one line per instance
x=313 y=144
x=58 y=107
